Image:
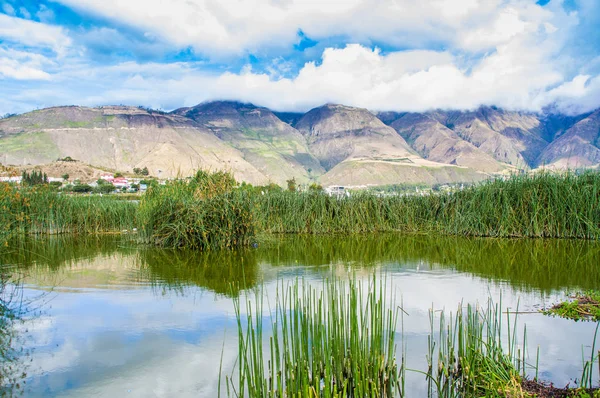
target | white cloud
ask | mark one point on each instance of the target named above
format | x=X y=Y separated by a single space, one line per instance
x=507 y=53
x=33 y=34
x=23 y=65
x=15 y=70
x=233 y=26
x=513 y=77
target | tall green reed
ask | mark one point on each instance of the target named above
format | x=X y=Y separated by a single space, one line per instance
x=541 y=205
x=338 y=341
x=476 y=356
x=39 y=210
x=201 y=213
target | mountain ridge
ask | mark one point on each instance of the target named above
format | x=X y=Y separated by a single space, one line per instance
x=333 y=144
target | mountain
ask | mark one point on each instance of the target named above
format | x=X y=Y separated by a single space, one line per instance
x=331 y=144
x=356 y=148
x=438 y=143
x=119 y=138
x=578 y=146
x=514 y=138
x=272 y=146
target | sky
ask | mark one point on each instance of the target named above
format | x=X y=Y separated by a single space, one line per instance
x=293 y=55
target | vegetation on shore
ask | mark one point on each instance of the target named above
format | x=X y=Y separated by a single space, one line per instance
x=480 y=356
x=541 y=205
x=582 y=306
x=338 y=341
x=40 y=210
x=211 y=210
x=203 y=213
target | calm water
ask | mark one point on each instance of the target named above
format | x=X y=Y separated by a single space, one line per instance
x=112 y=320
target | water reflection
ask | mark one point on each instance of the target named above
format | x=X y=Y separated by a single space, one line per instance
x=544 y=265
x=139 y=321
x=13 y=358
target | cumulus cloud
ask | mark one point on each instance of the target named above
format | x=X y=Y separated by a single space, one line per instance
x=34 y=34
x=457 y=54
x=355 y=75
x=217 y=27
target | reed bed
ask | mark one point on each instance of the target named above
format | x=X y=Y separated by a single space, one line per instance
x=542 y=205
x=211 y=211
x=201 y=213
x=480 y=356
x=39 y=210
x=335 y=342
x=476 y=356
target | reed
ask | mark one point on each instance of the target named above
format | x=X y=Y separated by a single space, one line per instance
x=39 y=210
x=201 y=213
x=210 y=211
x=542 y=205
x=476 y=356
x=335 y=342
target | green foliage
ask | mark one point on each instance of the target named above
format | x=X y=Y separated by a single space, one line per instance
x=65 y=176
x=35 y=178
x=141 y=172
x=40 y=210
x=118 y=174
x=543 y=205
x=203 y=213
x=81 y=188
x=67 y=159
x=338 y=341
x=104 y=187
x=583 y=306
x=55 y=185
x=314 y=187
x=291 y=185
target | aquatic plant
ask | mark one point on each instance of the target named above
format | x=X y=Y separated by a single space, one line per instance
x=40 y=210
x=202 y=213
x=472 y=359
x=582 y=306
x=479 y=356
x=541 y=205
x=335 y=342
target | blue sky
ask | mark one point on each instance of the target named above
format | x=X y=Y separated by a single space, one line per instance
x=296 y=54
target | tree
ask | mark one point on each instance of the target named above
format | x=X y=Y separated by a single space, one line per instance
x=65 y=176
x=145 y=171
x=118 y=174
x=106 y=187
x=291 y=185
x=314 y=187
x=82 y=188
x=35 y=178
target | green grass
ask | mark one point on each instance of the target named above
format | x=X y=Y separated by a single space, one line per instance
x=37 y=143
x=203 y=213
x=338 y=341
x=208 y=211
x=542 y=205
x=472 y=358
x=481 y=352
x=40 y=210
x=583 y=306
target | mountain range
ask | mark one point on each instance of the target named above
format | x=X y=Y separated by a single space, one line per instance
x=332 y=144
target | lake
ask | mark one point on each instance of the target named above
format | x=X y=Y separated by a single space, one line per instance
x=109 y=319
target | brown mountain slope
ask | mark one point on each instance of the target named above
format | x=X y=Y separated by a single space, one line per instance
x=514 y=138
x=336 y=133
x=359 y=149
x=119 y=138
x=578 y=147
x=271 y=145
x=436 y=142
